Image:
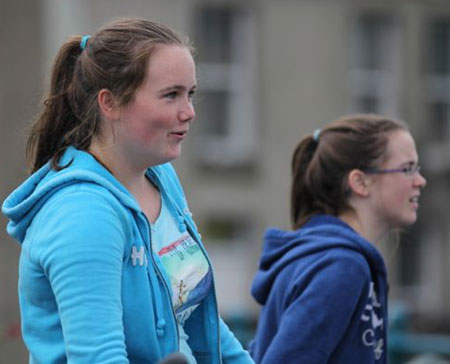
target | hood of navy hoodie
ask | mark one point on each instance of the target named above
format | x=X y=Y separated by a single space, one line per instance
x=26 y=200
x=321 y=232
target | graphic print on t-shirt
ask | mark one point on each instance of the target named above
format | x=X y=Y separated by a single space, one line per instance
x=188 y=271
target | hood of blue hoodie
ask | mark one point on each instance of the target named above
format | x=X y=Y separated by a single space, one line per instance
x=321 y=232
x=26 y=200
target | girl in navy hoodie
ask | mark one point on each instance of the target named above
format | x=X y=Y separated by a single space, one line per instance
x=323 y=286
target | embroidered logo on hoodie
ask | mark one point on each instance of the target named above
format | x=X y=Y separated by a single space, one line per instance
x=371 y=336
x=138 y=256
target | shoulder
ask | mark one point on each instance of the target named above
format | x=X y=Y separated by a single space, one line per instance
x=82 y=195
x=336 y=267
x=347 y=266
x=347 y=260
x=340 y=278
x=81 y=208
x=78 y=222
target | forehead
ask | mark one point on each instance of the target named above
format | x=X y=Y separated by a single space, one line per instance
x=170 y=63
x=400 y=149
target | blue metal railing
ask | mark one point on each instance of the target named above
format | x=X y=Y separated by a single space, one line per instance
x=403 y=345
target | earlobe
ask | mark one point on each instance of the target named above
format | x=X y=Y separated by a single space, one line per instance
x=358 y=183
x=107 y=104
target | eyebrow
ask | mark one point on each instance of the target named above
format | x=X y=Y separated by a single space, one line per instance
x=410 y=163
x=177 y=87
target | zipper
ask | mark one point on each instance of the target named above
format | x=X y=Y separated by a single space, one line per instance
x=216 y=308
x=160 y=276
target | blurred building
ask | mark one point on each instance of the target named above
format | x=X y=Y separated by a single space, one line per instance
x=269 y=73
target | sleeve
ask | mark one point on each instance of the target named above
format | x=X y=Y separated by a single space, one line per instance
x=81 y=249
x=232 y=350
x=320 y=312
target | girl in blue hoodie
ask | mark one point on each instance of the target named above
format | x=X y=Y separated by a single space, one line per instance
x=323 y=286
x=112 y=268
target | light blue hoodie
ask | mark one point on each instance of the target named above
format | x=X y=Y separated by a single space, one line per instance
x=91 y=290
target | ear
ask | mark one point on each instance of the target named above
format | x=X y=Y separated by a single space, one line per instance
x=358 y=183
x=107 y=104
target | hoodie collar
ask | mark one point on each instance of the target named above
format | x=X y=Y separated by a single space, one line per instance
x=27 y=199
x=319 y=234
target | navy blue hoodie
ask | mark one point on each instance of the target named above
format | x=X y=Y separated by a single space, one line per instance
x=323 y=290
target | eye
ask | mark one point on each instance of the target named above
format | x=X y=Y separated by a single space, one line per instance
x=191 y=94
x=171 y=95
x=411 y=169
x=408 y=170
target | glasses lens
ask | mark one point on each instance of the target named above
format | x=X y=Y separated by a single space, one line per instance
x=412 y=169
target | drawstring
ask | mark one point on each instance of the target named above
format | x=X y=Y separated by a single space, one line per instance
x=160 y=325
x=181 y=224
x=160 y=321
x=154 y=282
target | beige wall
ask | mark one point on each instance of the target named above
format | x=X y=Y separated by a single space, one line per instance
x=19 y=91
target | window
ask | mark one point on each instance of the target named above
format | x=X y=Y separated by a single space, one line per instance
x=228 y=236
x=225 y=133
x=374 y=62
x=438 y=80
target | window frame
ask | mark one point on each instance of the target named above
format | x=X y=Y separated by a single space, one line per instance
x=238 y=79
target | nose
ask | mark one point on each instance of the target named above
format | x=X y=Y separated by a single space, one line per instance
x=420 y=180
x=187 y=113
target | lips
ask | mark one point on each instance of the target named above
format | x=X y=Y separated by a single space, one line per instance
x=180 y=133
x=414 y=201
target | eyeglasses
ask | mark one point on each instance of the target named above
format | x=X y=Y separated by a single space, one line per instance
x=409 y=170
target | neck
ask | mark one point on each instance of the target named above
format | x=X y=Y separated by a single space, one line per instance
x=364 y=225
x=132 y=178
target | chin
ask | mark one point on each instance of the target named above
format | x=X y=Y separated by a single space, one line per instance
x=174 y=153
x=409 y=220
x=401 y=222
x=172 y=156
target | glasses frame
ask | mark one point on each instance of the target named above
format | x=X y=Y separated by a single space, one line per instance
x=410 y=170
